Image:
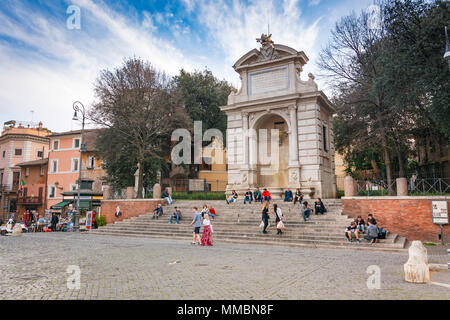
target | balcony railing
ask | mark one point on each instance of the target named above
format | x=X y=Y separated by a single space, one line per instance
x=6 y=188
x=29 y=200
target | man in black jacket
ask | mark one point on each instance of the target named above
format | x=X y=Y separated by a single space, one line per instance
x=54 y=221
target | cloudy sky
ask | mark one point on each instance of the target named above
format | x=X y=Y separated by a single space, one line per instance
x=45 y=65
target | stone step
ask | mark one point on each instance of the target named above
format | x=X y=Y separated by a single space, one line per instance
x=274 y=240
x=249 y=220
x=295 y=234
x=319 y=231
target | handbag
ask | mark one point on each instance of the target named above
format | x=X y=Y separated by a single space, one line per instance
x=261 y=225
x=280 y=225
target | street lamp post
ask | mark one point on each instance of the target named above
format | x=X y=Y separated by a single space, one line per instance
x=447 y=48
x=79 y=107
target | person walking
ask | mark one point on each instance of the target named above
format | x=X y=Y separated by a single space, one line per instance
x=265 y=216
x=197 y=223
x=54 y=221
x=207 y=231
x=278 y=218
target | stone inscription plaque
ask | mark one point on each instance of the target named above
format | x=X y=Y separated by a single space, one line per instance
x=268 y=80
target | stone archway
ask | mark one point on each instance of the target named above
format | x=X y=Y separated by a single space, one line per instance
x=271 y=169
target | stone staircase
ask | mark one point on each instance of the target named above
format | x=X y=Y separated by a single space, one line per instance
x=319 y=231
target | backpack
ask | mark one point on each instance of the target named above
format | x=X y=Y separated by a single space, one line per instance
x=381 y=233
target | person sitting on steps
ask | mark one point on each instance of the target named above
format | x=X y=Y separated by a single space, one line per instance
x=298 y=196
x=352 y=231
x=319 y=207
x=360 y=224
x=306 y=211
x=212 y=213
x=166 y=196
x=266 y=195
x=257 y=195
x=157 y=212
x=233 y=197
x=288 y=195
x=248 y=197
x=372 y=233
x=176 y=214
x=371 y=219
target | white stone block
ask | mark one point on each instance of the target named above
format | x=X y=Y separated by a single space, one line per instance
x=308 y=145
x=307 y=129
x=416 y=268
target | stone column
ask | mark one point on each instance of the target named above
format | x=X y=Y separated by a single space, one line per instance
x=293 y=145
x=349 y=187
x=245 y=138
x=402 y=186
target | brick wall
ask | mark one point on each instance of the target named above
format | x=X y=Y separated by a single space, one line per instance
x=129 y=208
x=409 y=217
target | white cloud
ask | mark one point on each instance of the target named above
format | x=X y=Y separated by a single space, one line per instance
x=235 y=26
x=189 y=4
x=314 y=2
x=47 y=67
x=63 y=64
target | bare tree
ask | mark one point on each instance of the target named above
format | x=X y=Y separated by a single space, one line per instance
x=139 y=107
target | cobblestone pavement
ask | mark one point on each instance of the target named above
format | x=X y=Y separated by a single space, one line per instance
x=34 y=267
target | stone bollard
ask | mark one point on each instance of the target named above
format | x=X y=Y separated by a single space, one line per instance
x=416 y=268
x=106 y=193
x=17 y=230
x=349 y=187
x=157 y=191
x=130 y=193
x=402 y=186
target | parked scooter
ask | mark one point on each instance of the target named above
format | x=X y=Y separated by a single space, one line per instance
x=8 y=228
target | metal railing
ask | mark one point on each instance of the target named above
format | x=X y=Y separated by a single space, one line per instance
x=416 y=186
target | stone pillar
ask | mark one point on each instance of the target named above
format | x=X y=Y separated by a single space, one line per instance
x=293 y=145
x=416 y=268
x=402 y=186
x=107 y=193
x=130 y=193
x=157 y=191
x=245 y=138
x=253 y=157
x=349 y=187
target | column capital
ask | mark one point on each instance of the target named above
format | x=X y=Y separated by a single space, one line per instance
x=292 y=107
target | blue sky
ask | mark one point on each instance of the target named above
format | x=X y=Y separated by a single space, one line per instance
x=45 y=66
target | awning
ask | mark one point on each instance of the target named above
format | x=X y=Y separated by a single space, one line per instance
x=61 y=205
x=84 y=205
